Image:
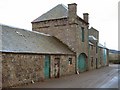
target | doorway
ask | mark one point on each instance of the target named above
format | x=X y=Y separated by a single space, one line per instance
x=47 y=67
x=82 y=59
x=57 y=67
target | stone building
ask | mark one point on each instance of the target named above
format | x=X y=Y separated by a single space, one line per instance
x=29 y=56
x=61 y=43
x=98 y=54
x=68 y=27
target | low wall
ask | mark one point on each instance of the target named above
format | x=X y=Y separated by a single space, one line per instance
x=18 y=69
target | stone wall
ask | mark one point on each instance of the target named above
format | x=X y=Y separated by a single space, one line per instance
x=68 y=33
x=23 y=68
x=94 y=33
x=59 y=28
x=92 y=57
x=113 y=56
x=65 y=67
x=19 y=68
x=102 y=61
x=93 y=64
x=82 y=47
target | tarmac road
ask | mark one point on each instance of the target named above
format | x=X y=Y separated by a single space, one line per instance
x=105 y=77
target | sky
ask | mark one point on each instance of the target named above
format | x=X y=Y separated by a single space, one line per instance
x=103 y=15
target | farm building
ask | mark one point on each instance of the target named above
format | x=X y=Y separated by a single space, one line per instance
x=72 y=30
x=59 y=44
x=32 y=56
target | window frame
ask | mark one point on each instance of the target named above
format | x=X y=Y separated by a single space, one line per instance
x=83 y=32
x=96 y=48
x=92 y=62
x=70 y=61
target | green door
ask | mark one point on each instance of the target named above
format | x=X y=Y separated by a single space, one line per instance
x=47 y=66
x=104 y=56
x=82 y=63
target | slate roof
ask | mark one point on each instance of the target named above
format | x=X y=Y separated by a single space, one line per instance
x=93 y=29
x=90 y=43
x=114 y=51
x=92 y=38
x=60 y=11
x=102 y=46
x=20 y=40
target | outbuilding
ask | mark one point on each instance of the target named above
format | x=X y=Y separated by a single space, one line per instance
x=29 y=56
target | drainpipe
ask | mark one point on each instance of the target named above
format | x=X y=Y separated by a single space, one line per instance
x=77 y=70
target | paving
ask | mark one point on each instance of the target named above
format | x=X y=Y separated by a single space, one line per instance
x=105 y=77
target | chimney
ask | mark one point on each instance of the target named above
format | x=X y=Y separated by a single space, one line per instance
x=72 y=12
x=86 y=17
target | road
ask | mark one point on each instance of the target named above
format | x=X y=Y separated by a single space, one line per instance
x=105 y=77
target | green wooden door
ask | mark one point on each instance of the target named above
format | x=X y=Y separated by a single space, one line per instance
x=47 y=66
x=82 y=63
x=104 y=56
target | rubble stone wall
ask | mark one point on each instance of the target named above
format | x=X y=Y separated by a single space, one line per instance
x=23 y=68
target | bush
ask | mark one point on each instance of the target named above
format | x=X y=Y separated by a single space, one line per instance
x=114 y=61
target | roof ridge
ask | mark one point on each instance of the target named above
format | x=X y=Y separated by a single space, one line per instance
x=13 y=26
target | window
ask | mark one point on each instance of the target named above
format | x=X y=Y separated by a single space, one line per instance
x=91 y=61
x=82 y=34
x=56 y=61
x=70 y=61
x=91 y=47
x=100 y=61
x=96 y=47
x=96 y=63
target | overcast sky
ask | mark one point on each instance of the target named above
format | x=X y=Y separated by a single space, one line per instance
x=103 y=15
